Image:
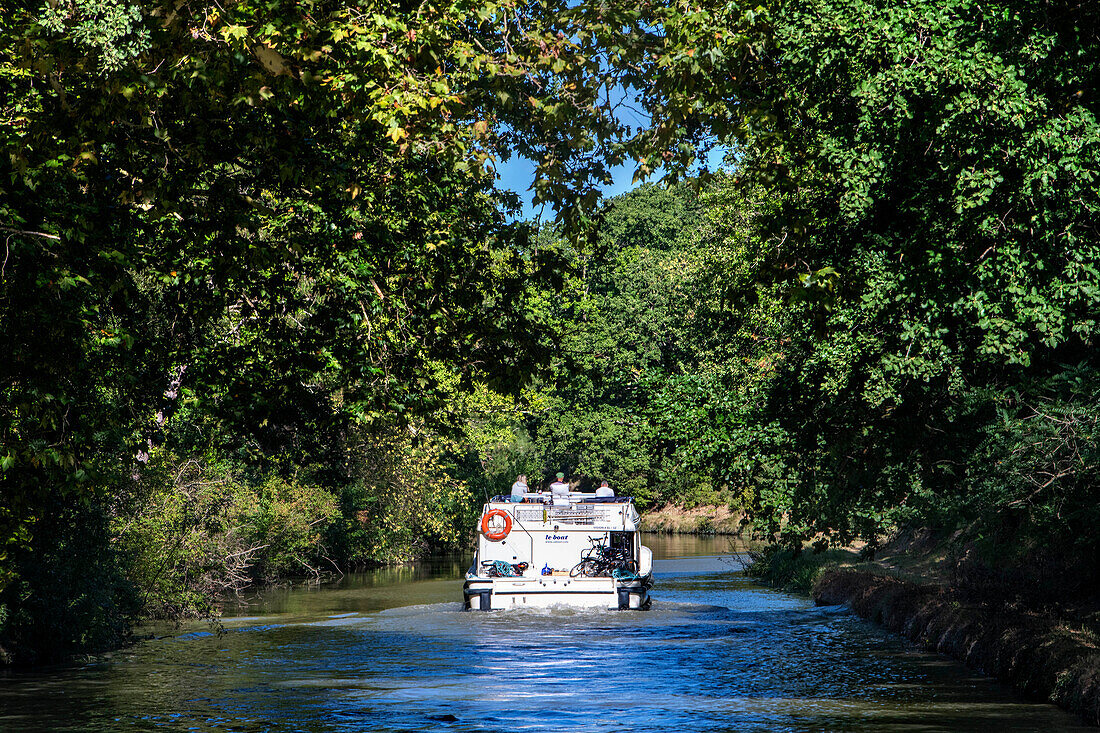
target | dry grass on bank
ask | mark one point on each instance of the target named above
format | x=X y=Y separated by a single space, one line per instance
x=672 y=519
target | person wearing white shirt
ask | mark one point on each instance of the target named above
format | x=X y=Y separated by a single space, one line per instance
x=559 y=487
x=519 y=488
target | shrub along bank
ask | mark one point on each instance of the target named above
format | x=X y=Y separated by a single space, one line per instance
x=175 y=537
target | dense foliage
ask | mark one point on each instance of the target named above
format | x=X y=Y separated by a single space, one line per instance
x=260 y=239
x=890 y=314
x=939 y=158
x=260 y=234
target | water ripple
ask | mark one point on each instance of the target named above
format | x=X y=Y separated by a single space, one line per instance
x=716 y=653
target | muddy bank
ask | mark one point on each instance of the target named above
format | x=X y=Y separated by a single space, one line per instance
x=697 y=520
x=1040 y=655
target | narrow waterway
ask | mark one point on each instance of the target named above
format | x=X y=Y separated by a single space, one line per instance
x=393 y=651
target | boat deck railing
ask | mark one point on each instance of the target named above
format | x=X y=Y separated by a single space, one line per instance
x=575 y=509
x=583 y=514
x=574 y=498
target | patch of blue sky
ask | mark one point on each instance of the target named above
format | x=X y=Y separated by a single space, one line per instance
x=518 y=175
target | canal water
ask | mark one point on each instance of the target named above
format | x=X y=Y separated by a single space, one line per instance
x=393 y=651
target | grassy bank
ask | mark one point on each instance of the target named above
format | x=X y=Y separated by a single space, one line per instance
x=797 y=573
x=1047 y=650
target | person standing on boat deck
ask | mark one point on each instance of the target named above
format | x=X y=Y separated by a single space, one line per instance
x=559 y=487
x=519 y=488
x=604 y=490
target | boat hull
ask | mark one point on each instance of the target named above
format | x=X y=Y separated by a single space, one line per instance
x=495 y=594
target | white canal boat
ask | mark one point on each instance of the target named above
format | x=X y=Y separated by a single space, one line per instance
x=575 y=550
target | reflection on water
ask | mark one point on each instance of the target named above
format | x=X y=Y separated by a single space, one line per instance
x=686 y=545
x=392 y=651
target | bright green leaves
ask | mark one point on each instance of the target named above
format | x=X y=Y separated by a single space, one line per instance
x=233 y=32
x=819 y=286
x=116 y=32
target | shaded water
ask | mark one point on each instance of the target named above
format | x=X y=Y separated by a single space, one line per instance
x=392 y=651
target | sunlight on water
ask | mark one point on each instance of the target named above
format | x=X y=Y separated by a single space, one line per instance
x=393 y=651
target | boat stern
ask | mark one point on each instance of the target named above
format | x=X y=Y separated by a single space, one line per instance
x=496 y=594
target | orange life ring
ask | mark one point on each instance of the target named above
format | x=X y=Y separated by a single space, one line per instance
x=496 y=534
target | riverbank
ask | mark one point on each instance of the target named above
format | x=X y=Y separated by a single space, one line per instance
x=1048 y=651
x=672 y=519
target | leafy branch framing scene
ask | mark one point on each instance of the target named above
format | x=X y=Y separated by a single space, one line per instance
x=267 y=310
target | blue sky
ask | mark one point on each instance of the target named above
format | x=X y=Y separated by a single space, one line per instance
x=518 y=174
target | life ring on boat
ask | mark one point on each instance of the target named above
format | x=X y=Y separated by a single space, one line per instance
x=497 y=533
